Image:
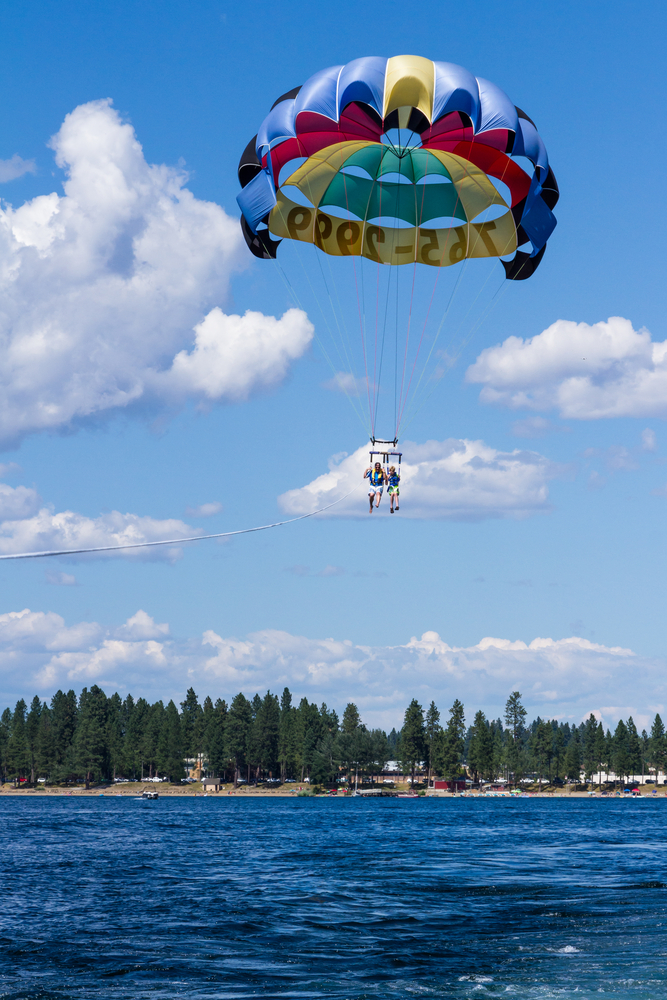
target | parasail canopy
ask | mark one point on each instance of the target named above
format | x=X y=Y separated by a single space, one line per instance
x=398 y=161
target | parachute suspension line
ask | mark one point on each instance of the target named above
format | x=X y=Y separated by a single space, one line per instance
x=358 y=410
x=452 y=297
x=500 y=291
x=396 y=356
x=298 y=304
x=384 y=332
x=419 y=346
x=428 y=312
x=405 y=353
x=480 y=291
x=376 y=387
x=362 y=316
x=344 y=355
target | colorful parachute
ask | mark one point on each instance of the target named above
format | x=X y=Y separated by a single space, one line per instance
x=399 y=161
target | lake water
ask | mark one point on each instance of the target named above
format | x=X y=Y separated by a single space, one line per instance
x=225 y=897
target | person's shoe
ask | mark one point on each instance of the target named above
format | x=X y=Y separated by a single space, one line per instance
x=391 y=510
x=398 y=508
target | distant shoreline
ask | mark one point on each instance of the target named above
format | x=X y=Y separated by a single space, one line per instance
x=135 y=789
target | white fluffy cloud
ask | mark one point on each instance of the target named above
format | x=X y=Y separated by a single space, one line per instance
x=101 y=289
x=566 y=678
x=455 y=479
x=235 y=355
x=26 y=525
x=583 y=371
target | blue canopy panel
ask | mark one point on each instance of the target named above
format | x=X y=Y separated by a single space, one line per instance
x=497 y=111
x=276 y=127
x=455 y=90
x=528 y=143
x=318 y=94
x=257 y=199
x=362 y=80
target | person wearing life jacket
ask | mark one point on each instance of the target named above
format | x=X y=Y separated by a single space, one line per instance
x=393 y=479
x=376 y=480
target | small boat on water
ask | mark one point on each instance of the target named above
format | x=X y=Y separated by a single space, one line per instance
x=148 y=795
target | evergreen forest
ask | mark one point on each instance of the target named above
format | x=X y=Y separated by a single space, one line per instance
x=95 y=737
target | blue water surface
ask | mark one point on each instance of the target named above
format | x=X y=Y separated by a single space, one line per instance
x=225 y=898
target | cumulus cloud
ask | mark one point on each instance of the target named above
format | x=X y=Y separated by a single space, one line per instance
x=102 y=286
x=454 y=479
x=29 y=525
x=236 y=355
x=15 y=167
x=584 y=371
x=18 y=502
x=561 y=678
x=141 y=626
x=67 y=529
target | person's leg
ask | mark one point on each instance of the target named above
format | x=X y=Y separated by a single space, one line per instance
x=378 y=497
x=370 y=498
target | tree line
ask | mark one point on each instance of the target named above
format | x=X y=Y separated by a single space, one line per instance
x=97 y=737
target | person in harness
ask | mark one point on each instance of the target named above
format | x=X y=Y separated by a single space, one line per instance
x=376 y=480
x=393 y=479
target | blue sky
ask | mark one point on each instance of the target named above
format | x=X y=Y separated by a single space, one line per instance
x=573 y=550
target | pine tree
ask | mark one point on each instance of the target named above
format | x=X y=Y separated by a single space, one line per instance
x=634 y=748
x=351 y=719
x=239 y=721
x=540 y=745
x=450 y=743
x=589 y=756
x=32 y=735
x=138 y=714
x=17 y=746
x=621 y=758
x=215 y=741
x=573 y=757
x=170 y=745
x=480 y=749
x=558 y=748
x=267 y=725
x=191 y=713
x=600 y=752
x=432 y=729
x=380 y=749
x=394 y=739
x=115 y=735
x=350 y=744
x=46 y=745
x=515 y=715
x=151 y=737
x=90 y=740
x=657 y=746
x=65 y=711
x=5 y=732
x=412 y=748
